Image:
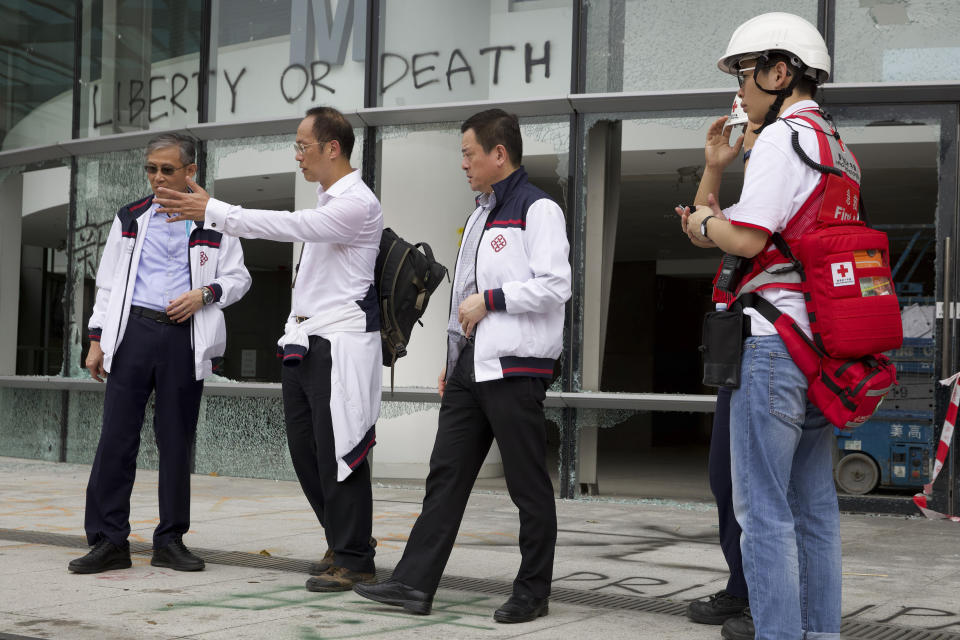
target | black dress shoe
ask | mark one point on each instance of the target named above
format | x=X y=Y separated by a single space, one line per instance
x=396 y=594
x=104 y=556
x=176 y=556
x=717 y=608
x=522 y=609
x=739 y=628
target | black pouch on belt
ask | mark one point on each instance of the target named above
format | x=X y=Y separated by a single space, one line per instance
x=722 y=347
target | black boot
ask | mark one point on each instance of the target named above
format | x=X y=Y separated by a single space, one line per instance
x=176 y=556
x=104 y=556
x=717 y=608
x=739 y=628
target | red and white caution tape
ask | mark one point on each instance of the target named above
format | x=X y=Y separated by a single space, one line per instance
x=943 y=448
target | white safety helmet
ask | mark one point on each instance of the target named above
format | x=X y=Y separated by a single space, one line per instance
x=737 y=115
x=779 y=32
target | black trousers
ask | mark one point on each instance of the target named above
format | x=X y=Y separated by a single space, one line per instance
x=722 y=487
x=471 y=415
x=344 y=509
x=151 y=357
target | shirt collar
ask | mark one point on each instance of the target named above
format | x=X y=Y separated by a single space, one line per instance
x=341 y=185
x=487 y=200
x=803 y=105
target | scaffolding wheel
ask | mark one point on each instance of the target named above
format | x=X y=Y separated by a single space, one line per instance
x=857 y=474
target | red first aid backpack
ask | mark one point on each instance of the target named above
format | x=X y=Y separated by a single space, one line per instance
x=843 y=269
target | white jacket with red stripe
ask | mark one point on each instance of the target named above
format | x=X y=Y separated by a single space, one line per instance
x=523 y=272
x=220 y=267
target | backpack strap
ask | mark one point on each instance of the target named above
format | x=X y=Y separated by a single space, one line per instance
x=806 y=355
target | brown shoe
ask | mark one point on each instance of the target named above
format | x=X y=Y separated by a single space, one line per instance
x=324 y=565
x=316 y=568
x=338 y=579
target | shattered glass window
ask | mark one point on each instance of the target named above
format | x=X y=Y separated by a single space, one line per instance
x=243 y=436
x=897 y=41
x=30 y=423
x=105 y=182
x=651 y=45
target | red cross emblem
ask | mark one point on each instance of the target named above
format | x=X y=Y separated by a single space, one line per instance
x=203 y=258
x=498 y=243
x=842 y=274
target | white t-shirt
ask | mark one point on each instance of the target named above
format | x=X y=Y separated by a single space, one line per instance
x=775 y=186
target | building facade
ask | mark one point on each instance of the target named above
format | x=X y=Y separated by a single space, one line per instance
x=614 y=97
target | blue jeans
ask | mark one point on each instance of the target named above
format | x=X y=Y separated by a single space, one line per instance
x=784 y=498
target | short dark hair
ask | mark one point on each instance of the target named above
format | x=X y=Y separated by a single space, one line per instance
x=329 y=124
x=186 y=144
x=806 y=85
x=496 y=126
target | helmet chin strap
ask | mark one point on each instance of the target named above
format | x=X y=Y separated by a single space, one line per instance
x=782 y=94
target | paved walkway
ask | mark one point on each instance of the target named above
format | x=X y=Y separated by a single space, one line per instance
x=623 y=570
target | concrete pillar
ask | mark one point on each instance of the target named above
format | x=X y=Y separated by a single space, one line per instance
x=603 y=206
x=11 y=198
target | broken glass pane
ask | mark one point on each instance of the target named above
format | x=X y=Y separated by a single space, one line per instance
x=897 y=41
x=30 y=423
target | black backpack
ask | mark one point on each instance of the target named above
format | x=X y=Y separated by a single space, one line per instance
x=405 y=277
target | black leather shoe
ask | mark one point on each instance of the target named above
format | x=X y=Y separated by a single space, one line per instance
x=717 y=608
x=324 y=565
x=176 y=556
x=104 y=556
x=739 y=628
x=522 y=609
x=396 y=594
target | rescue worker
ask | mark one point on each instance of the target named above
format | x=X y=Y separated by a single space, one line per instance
x=780 y=445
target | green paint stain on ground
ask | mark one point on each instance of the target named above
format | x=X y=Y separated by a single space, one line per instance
x=379 y=620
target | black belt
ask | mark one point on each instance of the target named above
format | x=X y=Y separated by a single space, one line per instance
x=156 y=316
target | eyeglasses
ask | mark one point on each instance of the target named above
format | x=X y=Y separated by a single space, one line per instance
x=301 y=148
x=742 y=75
x=165 y=170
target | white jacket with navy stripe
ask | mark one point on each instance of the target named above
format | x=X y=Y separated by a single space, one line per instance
x=216 y=261
x=523 y=272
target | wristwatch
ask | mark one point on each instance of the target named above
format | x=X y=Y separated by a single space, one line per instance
x=703 y=226
x=207 y=295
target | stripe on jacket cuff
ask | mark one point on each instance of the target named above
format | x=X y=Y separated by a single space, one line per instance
x=293 y=355
x=94 y=334
x=493 y=300
x=217 y=291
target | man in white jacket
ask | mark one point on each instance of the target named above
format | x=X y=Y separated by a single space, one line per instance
x=157 y=326
x=504 y=334
x=331 y=347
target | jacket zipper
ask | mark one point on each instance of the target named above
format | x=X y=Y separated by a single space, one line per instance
x=192 y=323
x=476 y=279
x=126 y=287
x=450 y=304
